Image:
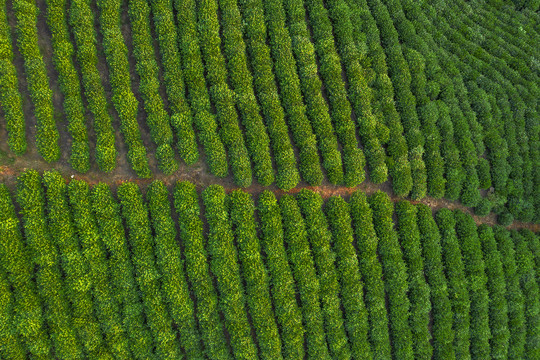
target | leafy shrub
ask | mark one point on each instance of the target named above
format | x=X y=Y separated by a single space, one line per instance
x=282 y=286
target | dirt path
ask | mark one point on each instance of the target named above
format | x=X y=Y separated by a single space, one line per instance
x=200 y=176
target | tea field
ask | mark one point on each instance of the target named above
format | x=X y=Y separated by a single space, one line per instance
x=168 y=273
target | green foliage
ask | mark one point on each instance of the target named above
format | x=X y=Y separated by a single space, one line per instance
x=81 y=21
x=234 y=48
x=221 y=94
x=171 y=267
x=38 y=81
x=193 y=71
x=289 y=85
x=395 y=276
x=353 y=157
x=69 y=84
x=359 y=91
x=124 y=100
x=93 y=249
x=496 y=285
x=514 y=294
x=527 y=279
x=186 y=203
x=352 y=292
x=371 y=270
x=10 y=98
x=44 y=255
x=443 y=334
x=139 y=236
x=261 y=63
x=181 y=119
x=224 y=263
x=122 y=272
x=254 y=274
x=148 y=70
x=419 y=291
x=282 y=285
x=76 y=281
x=316 y=107
x=457 y=283
x=16 y=261
x=11 y=347
x=303 y=265
x=471 y=251
x=319 y=236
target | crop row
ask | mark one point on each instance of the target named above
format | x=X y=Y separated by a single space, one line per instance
x=268 y=279
x=148 y=71
x=9 y=89
x=69 y=84
x=47 y=136
x=124 y=100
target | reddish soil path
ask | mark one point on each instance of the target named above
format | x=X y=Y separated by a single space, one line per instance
x=199 y=175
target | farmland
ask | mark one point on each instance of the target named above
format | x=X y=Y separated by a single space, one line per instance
x=269 y=179
x=438 y=101
x=166 y=272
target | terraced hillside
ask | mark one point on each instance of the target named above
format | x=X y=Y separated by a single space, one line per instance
x=439 y=99
x=168 y=273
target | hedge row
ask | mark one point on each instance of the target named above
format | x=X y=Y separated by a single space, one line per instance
x=514 y=294
x=330 y=68
x=171 y=267
x=221 y=94
x=254 y=273
x=224 y=263
x=106 y=306
x=81 y=21
x=534 y=245
x=122 y=272
x=383 y=104
x=359 y=91
x=77 y=283
x=496 y=285
x=372 y=274
x=443 y=334
x=38 y=81
x=301 y=259
x=395 y=276
x=316 y=107
x=471 y=251
x=11 y=347
x=198 y=272
x=234 y=48
x=124 y=101
x=282 y=284
x=10 y=98
x=289 y=85
x=527 y=278
x=405 y=100
x=16 y=262
x=261 y=63
x=193 y=71
x=181 y=118
x=428 y=114
x=148 y=70
x=352 y=287
x=457 y=283
x=454 y=173
x=44 y=255
x=319 y=236
x=419 y=291
x=141 y=242
x=69 y=84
